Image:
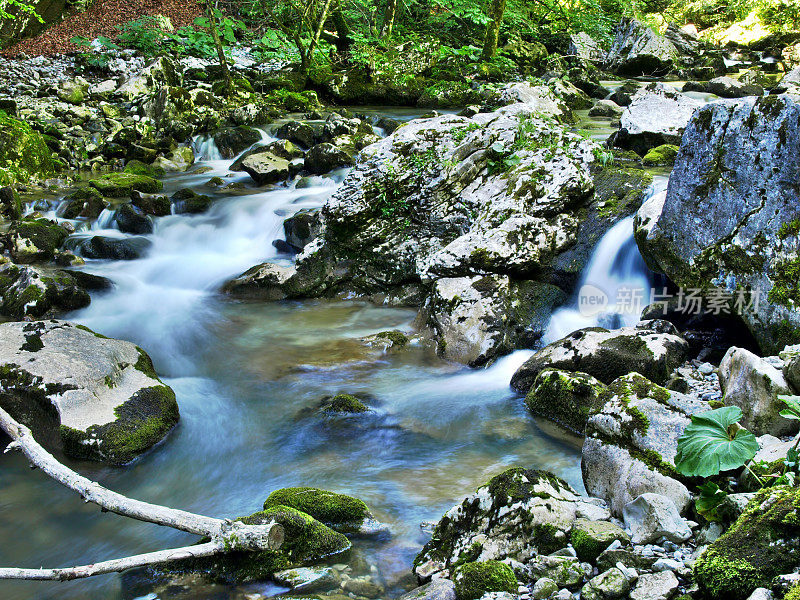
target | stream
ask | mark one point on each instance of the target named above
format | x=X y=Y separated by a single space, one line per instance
x=243 y=372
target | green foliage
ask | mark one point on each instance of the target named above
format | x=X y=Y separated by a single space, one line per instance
x=709 y=499
x=12 y=9
x=143 y=34
x=714 y=442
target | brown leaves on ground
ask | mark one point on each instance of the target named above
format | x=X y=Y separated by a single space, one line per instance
x=102 y=18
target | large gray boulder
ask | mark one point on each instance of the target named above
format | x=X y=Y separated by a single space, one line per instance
x=789 y=83
x=638 y=50
x=631 y=442
x=729 y=223
x=517 y=516
x=472 y=217
x=265 y=167
x=753 y=384
x=94 y=397
x=651 y=348
x=657 y=115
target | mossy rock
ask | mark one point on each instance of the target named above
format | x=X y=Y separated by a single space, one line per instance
x=84 y=203
x=141 y=422
x=189 y=201
x=620 y=191
x=474 y=579
x=591 y=538
x=763 y=542
x=566 y=398
x=307 y=541
x=344 y=403
x=23 y=152
x=661 y=156
x=338 y=511
x=35 y=240
x=120 y=185
x=137 y=167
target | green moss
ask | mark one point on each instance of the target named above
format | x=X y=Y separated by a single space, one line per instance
x=344 y=403
x=99 y=335
x=619 y=191
x=143 y=364
x=45 y=235
x=591 y=538
x=786 y=283
x=473 y=580
x=341 y=512
x=792 y=228
x=761 y=544
x=661 y=156
x=566 y=398
x=398 y=338
x=793 y=594
x=137 y=167
x=23 y=152
x=119 y=185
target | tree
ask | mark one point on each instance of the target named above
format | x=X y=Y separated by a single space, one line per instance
x=496 y=10
x=211 y=14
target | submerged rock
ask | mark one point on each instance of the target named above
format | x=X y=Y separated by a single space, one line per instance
x=95 y=397
x=103 y=247
x=728 y=223
x=340 y=512
x=438 y=589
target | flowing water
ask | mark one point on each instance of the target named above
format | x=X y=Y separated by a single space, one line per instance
x=243 y=373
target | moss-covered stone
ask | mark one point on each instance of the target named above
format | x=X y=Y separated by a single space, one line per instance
x=619 y=191
x=661 y=156
x=591 y=538
x=306 y=542
x=23 y=152
x=120 y=185
x=338 y=511
x=344 y=403
x=763 y=542
x=141 y=422
x=566 y=398
x=35 y=240
x=137 y=167
x=474 y=579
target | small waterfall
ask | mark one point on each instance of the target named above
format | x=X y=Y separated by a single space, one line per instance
x=205 y=148
x=105 y=220
x=615 y=285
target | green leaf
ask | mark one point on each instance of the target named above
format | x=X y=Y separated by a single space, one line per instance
x=792 y=410
x=714 y=442
x=711 y=496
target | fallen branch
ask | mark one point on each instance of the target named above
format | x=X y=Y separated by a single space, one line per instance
x=114 y=566
x=225 y=535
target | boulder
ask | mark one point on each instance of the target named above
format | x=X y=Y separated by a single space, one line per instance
x=685 y=40
x=725 y=87
x=566 y=398
x=763 y=543
x=638 y=50
x=585 y=47
x=651 y=348
x=297 y=133
x=324 y=158
x=104 y=247
x=474 y=579
x=658 y=114
x=341 y=513
x=651 y=517
x=725 y=225
x=606 y=108
x=754 y=384
x=438 y=589
x=655 y=586
x=232 y=141
x=518 y=515
x=38 y=292
x=84 y=203
x=23 y=152
x=264 y=281
x=301 y=228
x=613 y=584
x=789 y=83
x=34 y=240
x=631 y=442
x=591 y=538
x=661 y=156
x=151 y=204
x=264 y=167
x=188 y=201
x=131 y=219
x=120 y=185
x=94 y=397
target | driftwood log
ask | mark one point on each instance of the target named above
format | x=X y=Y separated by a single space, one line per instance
x=224 y=535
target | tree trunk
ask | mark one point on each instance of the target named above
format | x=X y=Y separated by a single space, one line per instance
x=323 y=16
x=343 y=40
x=388 y=20
x=223 y=61
x=496 y=10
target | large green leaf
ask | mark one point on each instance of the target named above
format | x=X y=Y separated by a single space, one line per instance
x=714 y=442
x=792 y=410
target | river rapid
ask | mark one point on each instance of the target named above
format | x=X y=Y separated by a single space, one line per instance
x=243 y=372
